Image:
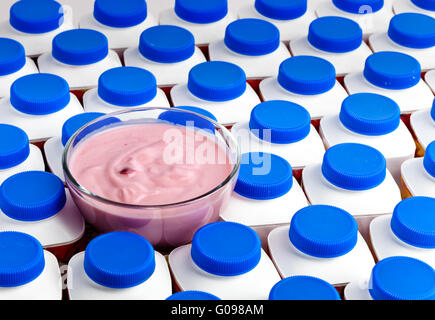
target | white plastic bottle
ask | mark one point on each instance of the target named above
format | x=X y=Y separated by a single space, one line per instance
x=430 y=79
x=27 y=271
x=226 y=260
x=35 y=23
x=423 y=126
x=119 y=266
x=418 y=6
x=192 y=295
x=303 y=288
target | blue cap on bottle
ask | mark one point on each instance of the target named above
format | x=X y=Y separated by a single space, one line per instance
x=119 y=260
x=392 y=70
x=14 y=146
x=127 y=86
x=21 y=259
x=370 y=114
x=40 y=16
x=12 y=56
x=413 y=221
x=190 y=119
x=335 y=34
x=412 y=30
x=281 y=9
x=402 y=278
x=73 y=124
x=167 y=44
x=200 y=11
x=303 y=288
x=80 y=47
x=359 y=6
x=252 y=37
x=217 y=81
x=226 y=248
x=279 y=121
x=263 y=176
x=120 y=14
x=40 y=94
x=432 y=111
x=429 y=159
x=32 y=196
x=354 y=166
x=425 y=4
x=306 y=75
x=192 y=295
x=323 y=231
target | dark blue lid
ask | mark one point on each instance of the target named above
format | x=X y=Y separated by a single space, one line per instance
x=413 y=221
x=200 y=111
x=432 y=111
x=402 y=278
x=263 y=176
x=217 y=81
x=359 y=6
x=370 y=114
x=167 y=44
x=189 y=118
x=74 y=123
x=226 y=248
x=354 y=166
x=40 y=94
x=306 y=75
x=40 y=16
x=425 y=4
x=80 y=47
x=303 y=288
x=21 y=259
x=32 y=196
x=392 y=70
x=127 y=86
x=192 y=295
x=281 y=9
x=429 y=159
x=323 y=231
x=280 y=121
x=335 y=34
x=119 y=260
x=14 y=146
x=200 y=11
x=95 y=126
x=412 y=30
x=12 y=56
x=120 y=14
x=252 y=37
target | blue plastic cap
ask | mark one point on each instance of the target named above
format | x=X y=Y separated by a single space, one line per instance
x=120 y=14
x=354 y=166
x=226 y=249
x=306 y=75
x=432 y=111
x=280 y=121
x=392 y=70
x=14 y=146
x=413 y=221
x=127 y=86
x=370 y=114
x=359 y=6
x=119 y=260
x=73 y=124
x=40 y=16
x=281 y=9
x=402 y=278
x=200 y=111
x=32 y=196
x=412 y=30
x=425 y=4
x=167 y=44
x=200 y=11
x=303 y=288
x=190 y=119
x=192 y=295
x=252 y=37
x=335 y=34
x=95 y=126
x=323 y=231
x=21 y=259
x=80 y=47
x=12 y=56
x=263 y=176
x=429 y=159
x=217 y=81
x=40 y=94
